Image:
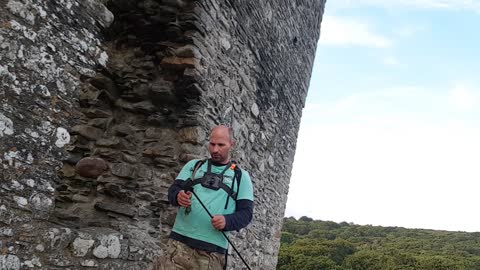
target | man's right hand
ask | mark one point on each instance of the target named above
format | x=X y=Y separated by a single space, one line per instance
x=183 y=198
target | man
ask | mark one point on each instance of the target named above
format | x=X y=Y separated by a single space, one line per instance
x=196 y=241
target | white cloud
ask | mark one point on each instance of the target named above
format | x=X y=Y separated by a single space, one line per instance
x=377 y=158
x=411 y=176
x=464 y=97
x=409 y=30
x=419 y=104
x=416 y=4
x=346 y=104
x=405 y=100
x=339 y=31
x=390 y=61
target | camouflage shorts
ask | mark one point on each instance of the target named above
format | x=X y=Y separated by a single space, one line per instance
x=179 y=256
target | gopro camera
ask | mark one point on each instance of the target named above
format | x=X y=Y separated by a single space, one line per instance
x=212 y=180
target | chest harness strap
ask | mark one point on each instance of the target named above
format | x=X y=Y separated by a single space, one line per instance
x=215 y=181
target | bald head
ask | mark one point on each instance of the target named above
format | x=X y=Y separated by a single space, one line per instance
x=223 y=130
x=220 y=144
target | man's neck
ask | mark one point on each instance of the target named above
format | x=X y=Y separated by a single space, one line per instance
x=223 y=163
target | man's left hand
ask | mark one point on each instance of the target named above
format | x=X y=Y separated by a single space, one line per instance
x=218 y=222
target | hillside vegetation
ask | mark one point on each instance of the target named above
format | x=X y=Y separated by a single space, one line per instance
x=308 y=244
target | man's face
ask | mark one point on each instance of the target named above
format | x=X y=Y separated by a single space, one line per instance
x=220 y=145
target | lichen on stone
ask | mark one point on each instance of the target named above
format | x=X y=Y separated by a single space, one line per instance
x=6 y=125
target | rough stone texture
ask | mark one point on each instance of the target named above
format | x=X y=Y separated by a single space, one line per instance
x=97 y=116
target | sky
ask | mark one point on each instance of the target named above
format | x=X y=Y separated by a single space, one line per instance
x=390 y=133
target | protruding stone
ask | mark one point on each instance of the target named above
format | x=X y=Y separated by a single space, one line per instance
x=89 y=263
x=34 y=261
x=160 y=133
x=195 y=135
x=165 y=162
x=144 y=106
x=251 y=137
x=91 y=167
x=40 y=248
x=109 y=247
x=144 y=212
x=5 y=231
x=89 y=95
x=110 y=142
x=184 y=157
x=114 y=190
x=21 y=201
x=81 y=246
x=6 y=125
x=188 y=51
x=178 y=62
x=59 y=238
x=123 y=170
x=63 y=214
x=41 y=204
x=60 y=261
x=145 y=196
x=96 y=113
x=9 y=262
x=118 y=208
x=254 y=109
x=102 y=15
x=158 y=151
x=80 y=198
x=88 y=132
x=5 y=215
x=124 y=129
x=271 y=161
x=68 y=170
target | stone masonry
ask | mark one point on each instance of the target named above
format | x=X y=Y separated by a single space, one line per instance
x=102 y=102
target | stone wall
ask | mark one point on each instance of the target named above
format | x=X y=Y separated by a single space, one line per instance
x=97 y=116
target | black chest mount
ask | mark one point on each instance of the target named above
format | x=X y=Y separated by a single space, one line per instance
x=215 y=181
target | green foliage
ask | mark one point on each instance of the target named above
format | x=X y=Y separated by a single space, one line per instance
x=308 y=244
x=288 y=238
x=306 y=219
x=370 y=260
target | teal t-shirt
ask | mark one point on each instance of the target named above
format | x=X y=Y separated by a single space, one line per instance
x=197 y=224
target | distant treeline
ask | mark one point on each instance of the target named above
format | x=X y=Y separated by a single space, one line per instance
x=308 y=244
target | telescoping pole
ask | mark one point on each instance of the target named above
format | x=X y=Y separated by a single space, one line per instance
x=230 y=242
